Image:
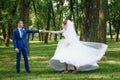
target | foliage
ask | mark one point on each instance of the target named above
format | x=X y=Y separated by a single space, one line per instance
x=115 y=12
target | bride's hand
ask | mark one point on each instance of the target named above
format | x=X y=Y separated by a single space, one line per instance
x=44 y=31
x=47 y=31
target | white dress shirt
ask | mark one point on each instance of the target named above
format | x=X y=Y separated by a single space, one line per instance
x=20 y=32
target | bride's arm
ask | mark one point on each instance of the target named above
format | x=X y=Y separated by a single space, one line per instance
x=55 y=32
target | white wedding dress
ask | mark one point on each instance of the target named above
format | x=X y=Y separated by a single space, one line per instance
x=83 y=55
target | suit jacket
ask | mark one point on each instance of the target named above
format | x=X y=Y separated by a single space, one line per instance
x=18 y=41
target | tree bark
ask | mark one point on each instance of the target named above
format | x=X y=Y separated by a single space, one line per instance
x=110 y=30
x=117 y=30
x=54 y=22
x=76 y=21
x=110 y=23
x=24 y=11
x=3 y=32
x=117 y=34
x=48 y=21
x=8 y=34
x=72 y=16
x=24 y=14
x=102 y=21
x=38 y=27
x=89 y=29
x=61 y=15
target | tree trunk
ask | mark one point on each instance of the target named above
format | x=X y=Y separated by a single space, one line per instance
x=54 y=22
x=3 y=32
x=7 y=40
x=61 y=15
x=102 y=21
x=117 y=30
x=24 y=11
x=71 y=10
x=32 y=36
x=38 y=27
x=117 y=34
x=8 y=34
x=110 y=30
x=39 y=34
x=76 y=21
x=110 y=23
x=89 y=29
x=48 y=22
x=24 y=14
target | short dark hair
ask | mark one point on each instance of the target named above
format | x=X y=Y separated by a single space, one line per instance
x=18 y=21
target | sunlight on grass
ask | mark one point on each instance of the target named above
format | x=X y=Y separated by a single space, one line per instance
x=111 y=62
x=38 y=57
x=113 y=49
x=99 y=76
x=34 y=41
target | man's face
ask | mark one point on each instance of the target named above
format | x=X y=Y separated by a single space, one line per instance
x=20 y=24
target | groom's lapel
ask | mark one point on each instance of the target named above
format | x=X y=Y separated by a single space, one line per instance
x=24 y=31
x=18 y=33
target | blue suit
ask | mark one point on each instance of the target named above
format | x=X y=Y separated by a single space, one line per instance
x=21 y=44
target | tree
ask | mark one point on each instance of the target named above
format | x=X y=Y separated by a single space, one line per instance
x=102 y=21
x=89 y=29
x=24 y=13
x=110 y=21
x=58 y=15
x=48 y=21
x=54 y=21
x=72 y=14
x=115 y=17
x=8 y=14
x=8 y=32
x=35 y=3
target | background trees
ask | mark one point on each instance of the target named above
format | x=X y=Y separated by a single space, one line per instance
x=93 y=19
x=114 y=17
x=8 y=15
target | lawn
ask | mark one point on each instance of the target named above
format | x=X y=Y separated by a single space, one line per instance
x=40 y=69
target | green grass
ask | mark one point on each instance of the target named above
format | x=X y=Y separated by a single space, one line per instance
x=40 y=69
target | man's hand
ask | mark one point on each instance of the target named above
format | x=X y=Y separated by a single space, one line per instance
x=17 y=50
x=43 y=31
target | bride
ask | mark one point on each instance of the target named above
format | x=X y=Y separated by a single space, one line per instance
x=72 y=54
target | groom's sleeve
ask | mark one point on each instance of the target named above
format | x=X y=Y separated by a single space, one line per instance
x=14 y=39
x=33 y=31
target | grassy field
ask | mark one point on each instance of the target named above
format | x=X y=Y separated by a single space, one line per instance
x=40 y=70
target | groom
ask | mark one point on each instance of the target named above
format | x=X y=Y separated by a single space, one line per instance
x=20 y=44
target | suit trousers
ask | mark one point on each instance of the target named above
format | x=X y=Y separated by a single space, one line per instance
x=24 y=52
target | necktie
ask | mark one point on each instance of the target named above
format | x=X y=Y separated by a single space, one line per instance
x=21 y=30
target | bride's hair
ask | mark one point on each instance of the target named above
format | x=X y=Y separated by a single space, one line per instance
x=64 y=22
